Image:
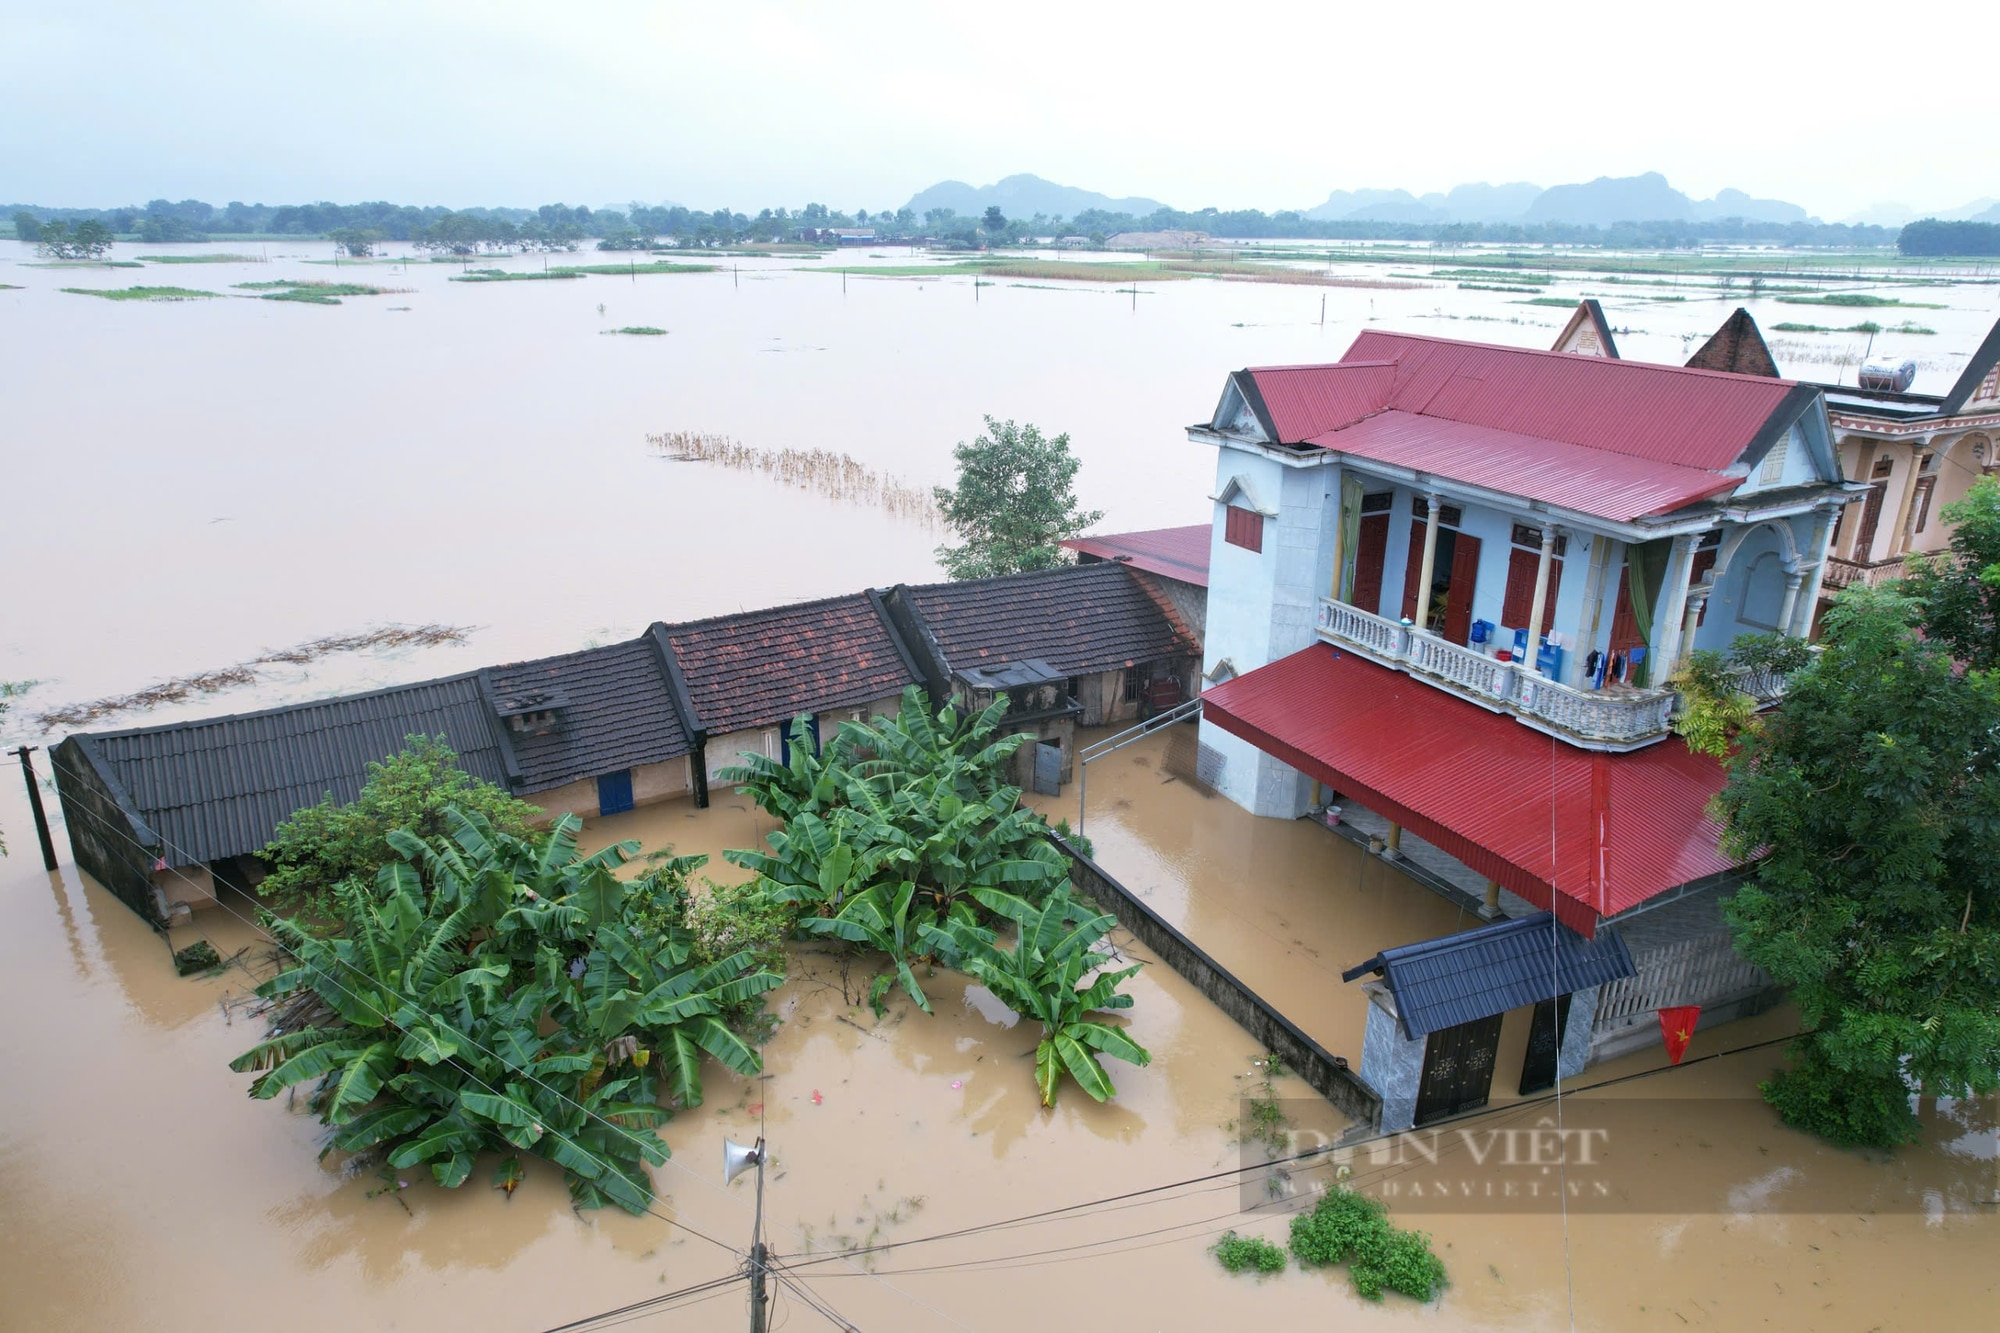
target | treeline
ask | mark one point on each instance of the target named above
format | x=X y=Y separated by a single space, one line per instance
x=644 y=226
x=1933 y=238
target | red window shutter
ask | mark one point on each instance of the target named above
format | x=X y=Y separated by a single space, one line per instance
x=1370 y=554
x=1520 y=600
x=1244 y=528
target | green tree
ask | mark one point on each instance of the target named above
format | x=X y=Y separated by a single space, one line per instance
x=326 y=843
x=86 y=240
x=994 y=220
x=1870 y=804
x=356 y=242
x=1014 y=505
x=27 y=227
x=1959 y=591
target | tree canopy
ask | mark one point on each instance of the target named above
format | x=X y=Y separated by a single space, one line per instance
x=84 y=240
x=1015 y=502
x=1958 y=592
x=1871 y=802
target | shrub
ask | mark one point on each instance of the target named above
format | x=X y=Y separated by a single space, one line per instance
x=1237 y=1253
x=1345 y=1227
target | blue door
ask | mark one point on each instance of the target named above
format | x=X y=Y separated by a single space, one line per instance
x=614 y=792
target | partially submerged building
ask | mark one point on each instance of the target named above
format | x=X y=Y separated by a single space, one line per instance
x=160 y=814
x=1449 y=585
x=1171 y=562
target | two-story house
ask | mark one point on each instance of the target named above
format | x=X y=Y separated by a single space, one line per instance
x=1449 y=582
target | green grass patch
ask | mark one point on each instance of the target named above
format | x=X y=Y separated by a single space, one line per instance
x=84 y=263
x=1487 y=275
x=640 y=330
x=1860 y=300
x=1865 y=326
x=1562 y=301
x=11 y=287
x=1237 y=1253
x=1345 y=1227
x=201 y=259
x=308 y=292
x=143 y=293
x=1491 y=287
x=501 y=275
x=625 y=270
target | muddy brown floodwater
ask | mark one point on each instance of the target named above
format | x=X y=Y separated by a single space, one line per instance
x=140 y=1187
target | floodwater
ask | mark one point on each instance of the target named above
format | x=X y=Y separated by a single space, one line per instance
x=194 y=483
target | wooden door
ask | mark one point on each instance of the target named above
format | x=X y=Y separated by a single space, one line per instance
x=1545 y=1034
x=1625 y=633
x=1458 y=1069
x=1464 y=579
x=1871 y=514
x=1413 y=571
x=1371 y=551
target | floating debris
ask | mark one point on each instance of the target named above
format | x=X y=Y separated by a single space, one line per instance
x=182 y=688
x=835 y=476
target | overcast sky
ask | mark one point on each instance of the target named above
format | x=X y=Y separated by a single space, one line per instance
x=1831 y=105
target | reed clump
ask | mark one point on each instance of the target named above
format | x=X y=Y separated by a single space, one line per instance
x=822 y=471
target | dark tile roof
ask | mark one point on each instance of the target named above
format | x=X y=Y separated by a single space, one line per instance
x=219 y=786
x=1737 y=347
x=613 y=712
x=1079 y=619
x=763 y=668
x=1461 y=978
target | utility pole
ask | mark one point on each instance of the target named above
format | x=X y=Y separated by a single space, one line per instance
x=42 y=819
x=735 y=1160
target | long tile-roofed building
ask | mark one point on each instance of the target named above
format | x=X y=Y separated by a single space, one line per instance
x=761 y=668
x=612 y=706
x=217 y=787
x=1083 y=619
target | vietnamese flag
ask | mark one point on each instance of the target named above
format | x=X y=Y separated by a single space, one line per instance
x=1677 y=1029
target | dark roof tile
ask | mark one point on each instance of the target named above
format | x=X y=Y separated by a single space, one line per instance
x=763 y=668
x=1079 y=619
x=614 y=712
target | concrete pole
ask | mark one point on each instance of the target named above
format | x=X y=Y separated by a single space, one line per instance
x=1392 y=846
x=1823 y=524
x=1899 y=536
x=1541 y=594
x=35 y=807
x=1490 y=910
x=1432 y=506
x=1339 y=530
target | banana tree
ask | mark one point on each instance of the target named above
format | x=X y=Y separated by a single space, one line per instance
x=1043 y=977
x=882 y=917
x=804 y=784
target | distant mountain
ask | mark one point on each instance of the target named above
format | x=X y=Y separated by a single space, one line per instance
x=1736 y=204
x=1481 y=202
x=1979 y=210
x=1023 y=196
x=1989 y=215
x=1347 y=203
x=1883 y=215
x=1610 y=199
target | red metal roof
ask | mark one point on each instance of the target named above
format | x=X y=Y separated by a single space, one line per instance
x=1174 y=553
x=1304 y=401
x=1615 y=486
x=1607 y=831
x=1553 y=405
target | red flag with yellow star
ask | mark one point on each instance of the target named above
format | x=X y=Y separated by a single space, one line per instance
x=1677 y=1029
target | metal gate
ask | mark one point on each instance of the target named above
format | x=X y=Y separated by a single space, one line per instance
x=1458 y=1069
x=1545 y=1034
x=1048 y=770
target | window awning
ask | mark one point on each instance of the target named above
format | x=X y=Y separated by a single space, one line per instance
x=1476 y=974
x=1585 y=833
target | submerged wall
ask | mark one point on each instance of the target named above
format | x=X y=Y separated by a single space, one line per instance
x=1326 y=1073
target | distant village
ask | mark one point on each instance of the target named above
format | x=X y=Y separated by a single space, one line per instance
x=1428 y=565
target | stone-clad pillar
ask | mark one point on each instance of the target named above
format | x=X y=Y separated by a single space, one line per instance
x=1431 y=507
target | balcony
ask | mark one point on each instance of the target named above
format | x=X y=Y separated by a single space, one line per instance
x=1845 y=573
x=1617 y=719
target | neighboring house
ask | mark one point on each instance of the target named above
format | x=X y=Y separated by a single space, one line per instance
x=1449 y=582
x=749 y=675
x=157 y=814
x=1588 y=332
x=1916 y=453
x=1172 y=562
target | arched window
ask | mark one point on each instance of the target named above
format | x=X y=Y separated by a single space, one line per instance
x=1762 y=594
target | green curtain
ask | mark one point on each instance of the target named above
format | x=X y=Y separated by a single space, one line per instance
x=1350 y=535
x=1645 y=571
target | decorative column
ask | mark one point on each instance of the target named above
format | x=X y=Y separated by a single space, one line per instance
x=1815 y=570
x=1697 y=599
x=1339 y=531
x=1541 y=594
x=1899 y=536
x=1794 y=576
x=1431 y=508
x=1666 y=646
x=1392 y=846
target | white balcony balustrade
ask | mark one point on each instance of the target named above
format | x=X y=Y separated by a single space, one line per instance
x=1601 y=719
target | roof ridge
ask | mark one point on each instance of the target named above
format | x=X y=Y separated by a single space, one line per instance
x=675 y=627
x=1569 y=358
x=294 y=707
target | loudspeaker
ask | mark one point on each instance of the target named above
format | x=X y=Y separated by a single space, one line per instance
x=736 y=1159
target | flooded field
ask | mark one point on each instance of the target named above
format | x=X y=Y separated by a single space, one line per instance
x=199 y=482
x=210 y=482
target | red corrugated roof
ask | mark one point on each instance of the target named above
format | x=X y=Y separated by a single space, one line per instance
x=1304 y=401
x=1607 y=831
x=1615 y=486
x=1174 y=553
x=1553 y=405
